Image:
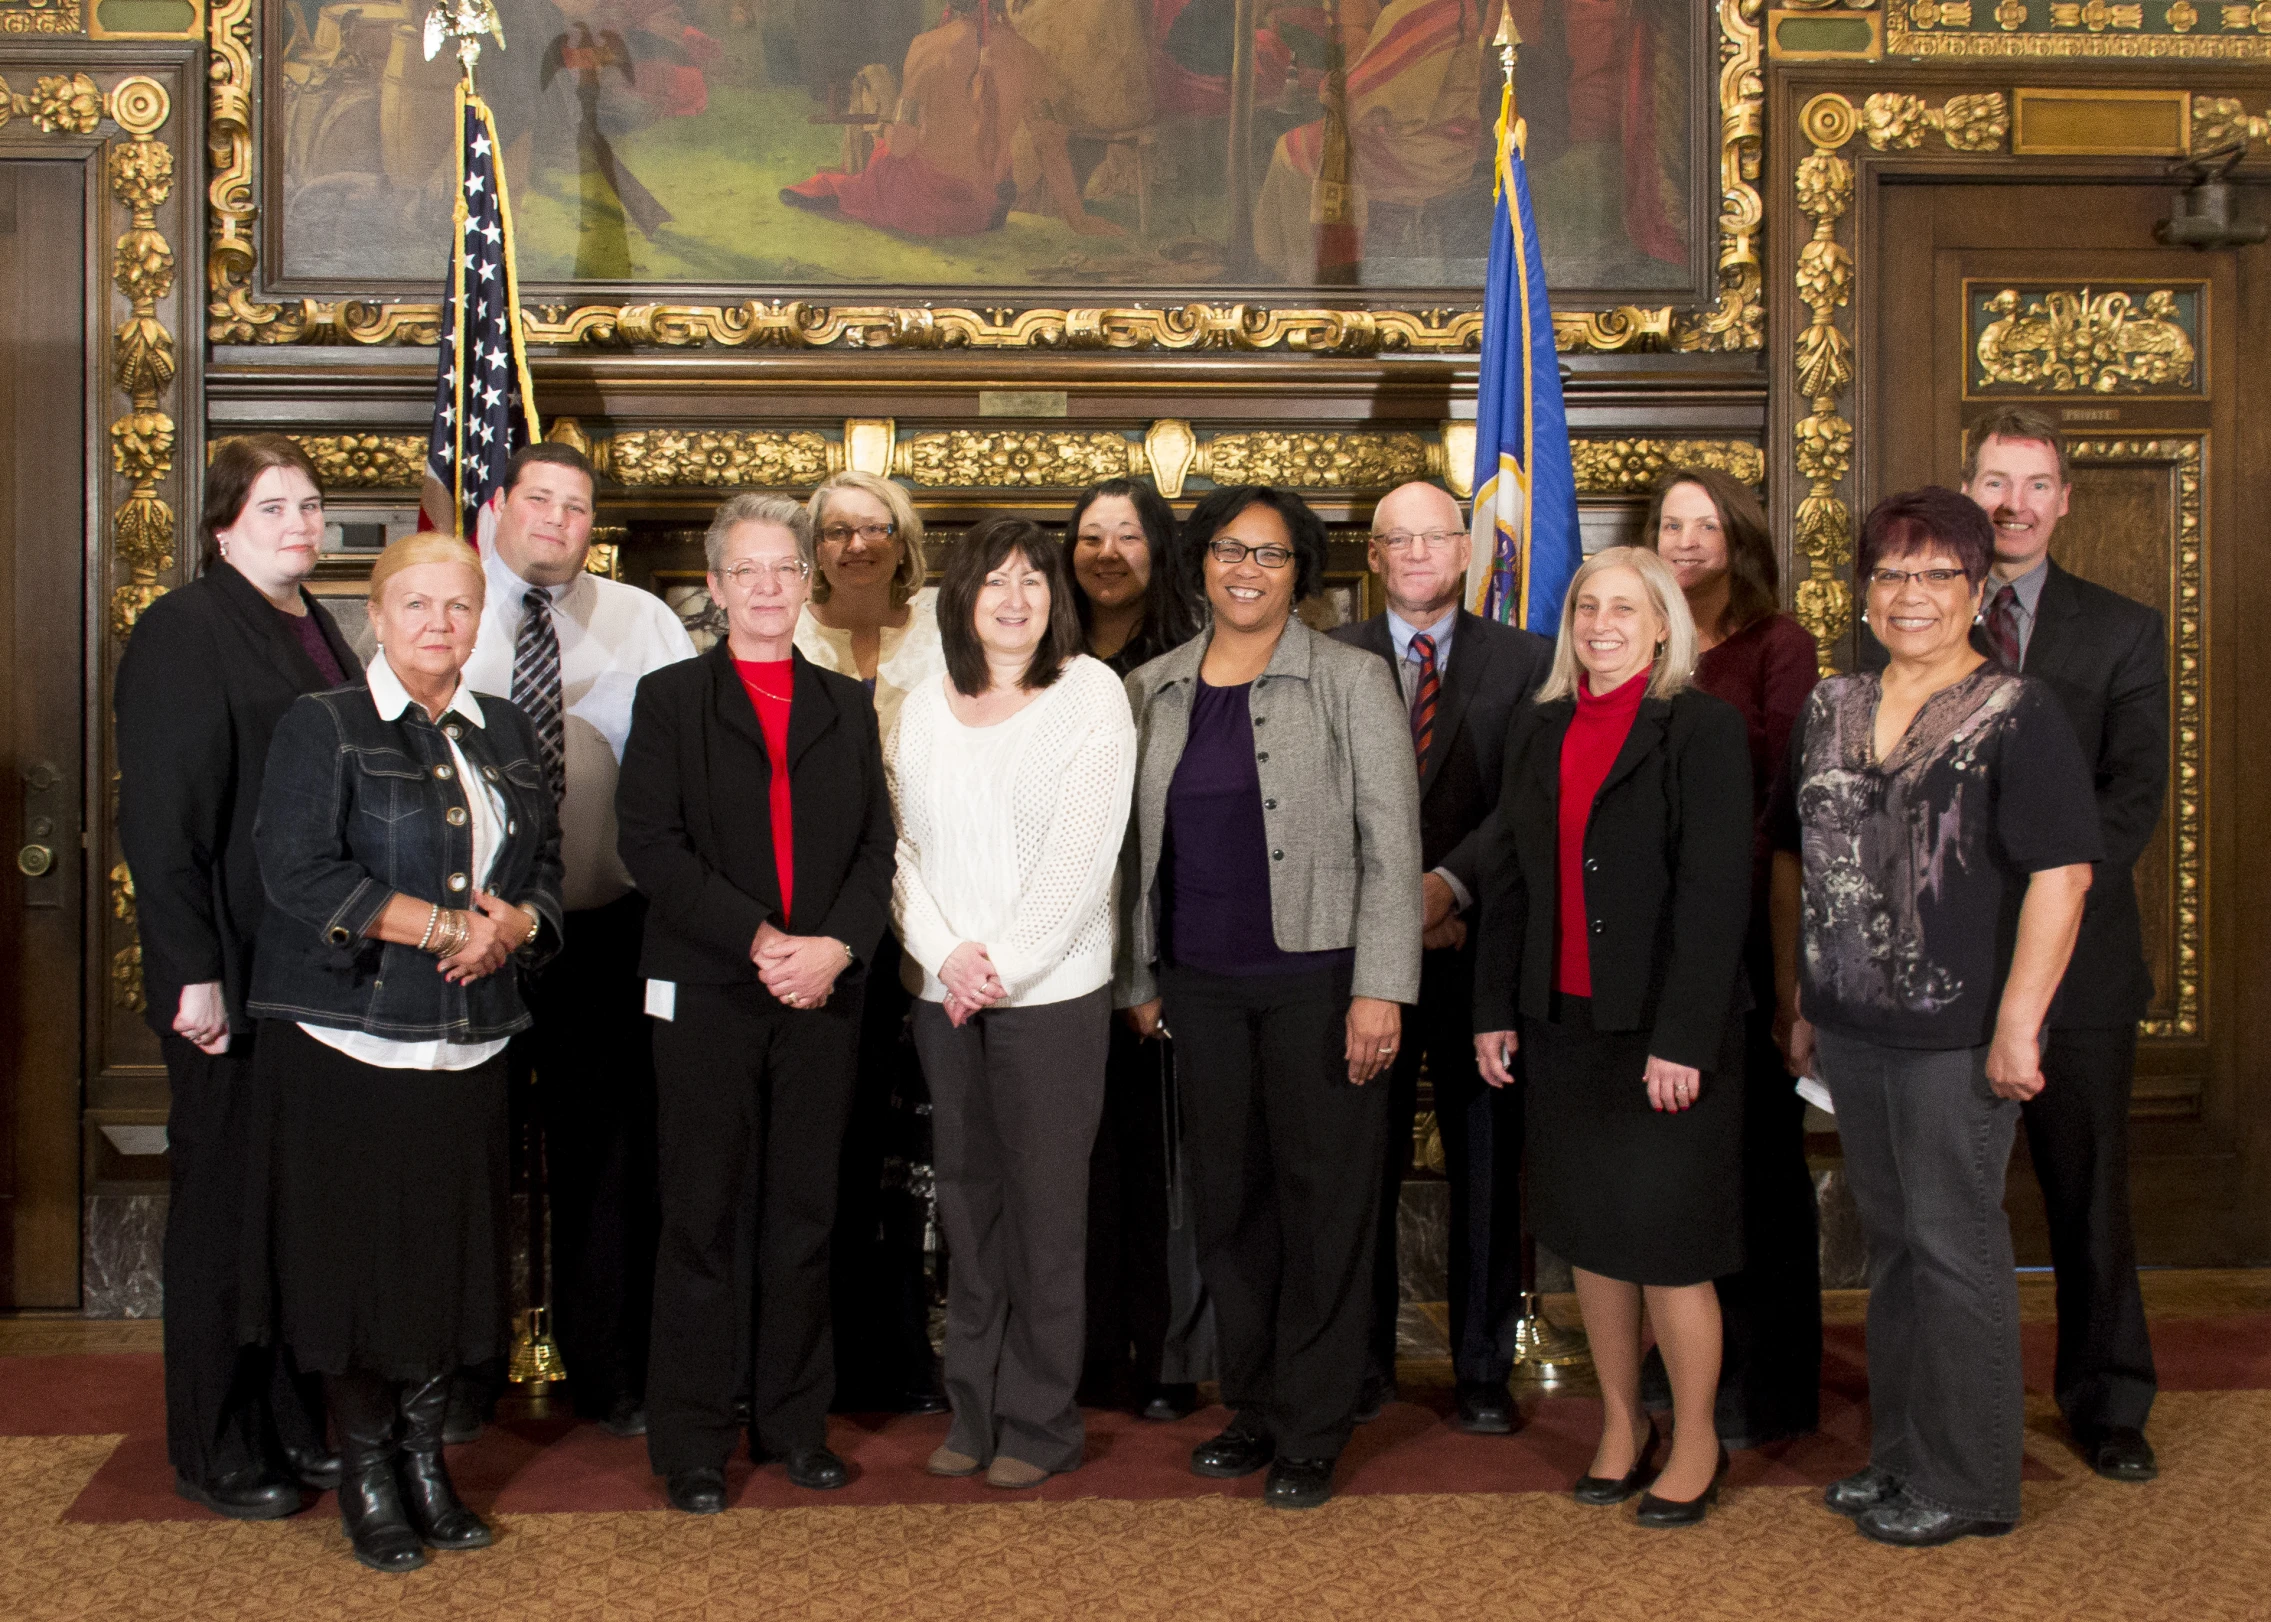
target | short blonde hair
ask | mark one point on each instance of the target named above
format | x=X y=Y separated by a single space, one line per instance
x=427 y=546
x=913 y=569
x=1675 y=655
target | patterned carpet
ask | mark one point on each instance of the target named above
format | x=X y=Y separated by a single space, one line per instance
x=1431 y=1524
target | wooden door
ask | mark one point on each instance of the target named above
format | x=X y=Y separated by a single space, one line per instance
x=44 y=494
x=2056 y=296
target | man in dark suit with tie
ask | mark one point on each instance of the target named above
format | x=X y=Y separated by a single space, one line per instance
x=1462 y=677
x=2106 y=659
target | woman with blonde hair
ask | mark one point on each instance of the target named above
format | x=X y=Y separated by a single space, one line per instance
x=1615 y=888
x=870 y=616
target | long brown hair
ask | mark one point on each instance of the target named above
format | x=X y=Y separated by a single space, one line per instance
x=235 y=468
x=1754 y=578
x=990 y=544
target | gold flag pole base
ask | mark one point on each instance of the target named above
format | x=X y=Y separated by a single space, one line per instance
x=1543 y=1350
x=536 y=1361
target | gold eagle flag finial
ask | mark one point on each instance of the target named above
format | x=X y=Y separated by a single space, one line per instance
x=467 y=22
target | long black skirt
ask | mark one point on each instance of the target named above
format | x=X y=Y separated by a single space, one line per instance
x=390 y=1227
x=1617 y=1188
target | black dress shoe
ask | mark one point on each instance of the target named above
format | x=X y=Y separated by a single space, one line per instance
x=1167 y=1403
x=315 y=1468
x=1911 y=1525
x=921 y=1400
x=1377 y=1391
x=626 y=1416
x=1602 y=1491
x=1667 y=1512
x=1486 y=1409
x=697 y=1492
x=2120 y=1453
x=817 y=1468
x=1299 y=1483
x=1237 y=1452
x=1862 y=1491
x=245 y=1498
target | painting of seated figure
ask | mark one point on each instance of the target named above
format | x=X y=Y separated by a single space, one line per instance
x=803 y=146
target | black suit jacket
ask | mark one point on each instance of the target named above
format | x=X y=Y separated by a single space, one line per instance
x=2106 y=657
x=1667 y=877
x=1492 y=672
x=693 y=810
x=209 y=671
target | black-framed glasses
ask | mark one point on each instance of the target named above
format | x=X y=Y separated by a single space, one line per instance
x=744 y=575
x=1269 y=557
x=1897 y=578
x=1422 y=540
x=841 y=534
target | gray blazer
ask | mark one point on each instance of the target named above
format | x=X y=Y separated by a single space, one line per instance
x=1340 y=797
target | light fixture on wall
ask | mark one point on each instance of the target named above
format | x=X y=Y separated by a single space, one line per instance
x=2200 y=216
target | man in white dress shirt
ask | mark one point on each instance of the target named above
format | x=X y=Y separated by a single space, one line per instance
x=569 y=648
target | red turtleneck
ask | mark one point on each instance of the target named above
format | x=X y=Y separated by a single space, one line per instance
x=1589 y=749
x=769 y=682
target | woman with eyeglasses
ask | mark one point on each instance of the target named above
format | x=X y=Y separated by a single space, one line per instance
x=870 y=615
x=1270 y=915
x=754 y=817
x=1943 y=823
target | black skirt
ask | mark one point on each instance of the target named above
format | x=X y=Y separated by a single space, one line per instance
x=390 y=1217
x=1618 y=1188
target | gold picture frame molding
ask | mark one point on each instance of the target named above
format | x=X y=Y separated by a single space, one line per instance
x=237 y=314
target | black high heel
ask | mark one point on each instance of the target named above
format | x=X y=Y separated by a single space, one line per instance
x=1667 y=1512
x=1606 y=1490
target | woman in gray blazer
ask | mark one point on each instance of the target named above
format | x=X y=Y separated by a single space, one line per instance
x=1271 y=915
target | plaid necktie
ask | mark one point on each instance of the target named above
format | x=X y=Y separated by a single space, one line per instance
x=536 y=686
x=2003 y=627
x=1430 y=688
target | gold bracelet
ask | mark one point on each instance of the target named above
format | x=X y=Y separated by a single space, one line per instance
x=535 y=927
x=455 y=931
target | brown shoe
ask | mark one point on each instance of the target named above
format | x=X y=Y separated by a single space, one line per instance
x=1008 y=1472
x=947 y=1462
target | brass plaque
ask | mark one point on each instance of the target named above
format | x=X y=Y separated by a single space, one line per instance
x=1022 y=402
x=2126 y=338
x=2101 y=123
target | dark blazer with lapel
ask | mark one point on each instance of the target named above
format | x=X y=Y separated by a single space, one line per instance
x=1492 y=671
x=693 y=810
x=209 y=671
x=2106 y=657
x=1667 y=876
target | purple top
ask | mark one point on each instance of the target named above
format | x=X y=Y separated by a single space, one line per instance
x=315 y=646
x=1215 y=867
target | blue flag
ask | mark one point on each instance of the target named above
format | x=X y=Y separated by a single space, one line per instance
x=1525 y=526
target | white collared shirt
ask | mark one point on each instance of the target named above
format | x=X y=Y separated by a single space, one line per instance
x=390 y=698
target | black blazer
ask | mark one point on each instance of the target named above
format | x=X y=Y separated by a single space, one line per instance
x=2106 y=657
x=1493 y=670
x=209 y=671
x=693 y=809
x=1667 y=876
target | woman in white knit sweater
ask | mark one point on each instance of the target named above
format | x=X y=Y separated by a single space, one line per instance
x=1011 y=776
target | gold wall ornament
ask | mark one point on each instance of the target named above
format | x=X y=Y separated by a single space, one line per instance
x=1055 y=459
x=2084 y=29
x=1615 y=467
x=1169 y=449
x=1896 y=121
x=2064 y=340
x=2221 y=122
x=126 y=989
x=1356 y=460
x=143 y=358
x=1823 y=188
x=38 y=17
x=759 y=459
x=366 y=461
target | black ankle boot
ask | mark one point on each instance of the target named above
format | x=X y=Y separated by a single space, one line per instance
x=427 y=1493
x=370 y=1504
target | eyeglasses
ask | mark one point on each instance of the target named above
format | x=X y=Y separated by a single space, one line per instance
x=1426 y=540
x=744 y=576
x=1269 y=557
x=841 y=534
x=1897 y=578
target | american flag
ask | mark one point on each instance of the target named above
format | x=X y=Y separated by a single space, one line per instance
x=484 y=408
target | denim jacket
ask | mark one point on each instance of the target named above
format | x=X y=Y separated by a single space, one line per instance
x=356 y=809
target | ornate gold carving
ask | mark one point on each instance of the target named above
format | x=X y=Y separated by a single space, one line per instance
x=143 y=359
x=126 y=963
x=2095 y=15
x=1360 y=460
x=366 y=461
x=1009 y=460
x=1895 y=121
x=39 y=17
x=2087 y=29
x=1738 y=320
x=2069 y=339
x=1169 y=449
x=2182 y=15
x=771 y=460
x=2220 y=122
x=1608 y=467
x=1825 y=354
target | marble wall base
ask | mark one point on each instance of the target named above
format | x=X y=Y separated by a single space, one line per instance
x=121 y=1255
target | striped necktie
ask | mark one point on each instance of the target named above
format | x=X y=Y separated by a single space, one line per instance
x=536 y=686
x=2003 y=627
x=1429 y=689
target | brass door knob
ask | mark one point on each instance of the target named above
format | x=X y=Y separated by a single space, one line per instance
x=33 y=860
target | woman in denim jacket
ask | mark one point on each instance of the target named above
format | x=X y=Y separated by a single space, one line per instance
x=410 y=849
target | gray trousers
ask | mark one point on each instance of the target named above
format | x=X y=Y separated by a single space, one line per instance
x=1927 y=1143
x=1016 y=1094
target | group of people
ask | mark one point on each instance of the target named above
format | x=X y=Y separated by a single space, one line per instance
x=1174 y=900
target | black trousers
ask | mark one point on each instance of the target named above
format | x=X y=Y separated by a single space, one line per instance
x=2078 y=1137
x=595 y=1095
x=234 y=1397
x=1129 y=1305
x=753 y=1098
x=1285 y=1161
x=1482 y=1151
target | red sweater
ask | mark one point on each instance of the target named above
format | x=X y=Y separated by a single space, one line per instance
x=1589 y=749
x=770 y=683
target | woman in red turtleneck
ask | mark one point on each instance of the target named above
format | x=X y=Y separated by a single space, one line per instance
x=1615 y=895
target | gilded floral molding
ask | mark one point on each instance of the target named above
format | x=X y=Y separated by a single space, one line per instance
x=237 y=315
x=366 y=461
x=126 y=963
x=764 y=460
x=2051 y=29
x=19 y=17
x=1632 y=466
x=2098 y=340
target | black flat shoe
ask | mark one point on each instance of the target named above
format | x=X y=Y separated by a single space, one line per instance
x=817 y=1468
x=2120 y=1453
x=697 y=1492
x=1910 y=1525
x=1862 y=1491
x=1486 y=1409
x=1236 y=1452
x=1603 y=1491
x=247 y=1498
x=1377 y=1391
x=922 y=1400
x=626 y=1416
x=1167 y=1403
x=1669 y=1512
x=313 y=1467
x=1299 y=1483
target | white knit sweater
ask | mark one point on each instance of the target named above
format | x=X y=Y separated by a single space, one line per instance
x=1009 y=835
